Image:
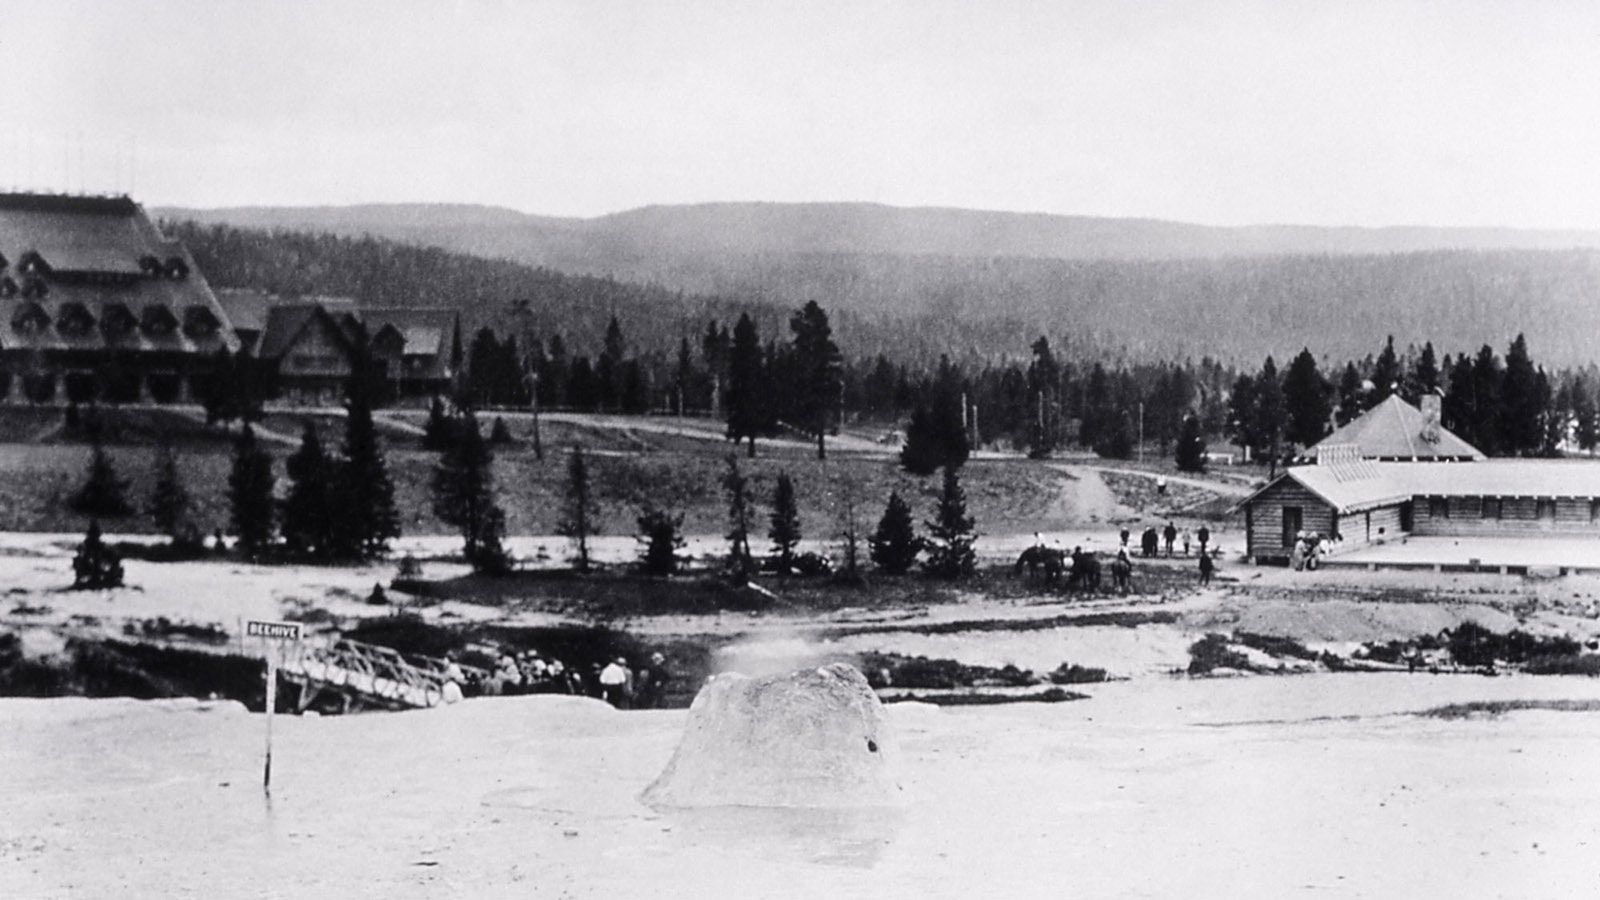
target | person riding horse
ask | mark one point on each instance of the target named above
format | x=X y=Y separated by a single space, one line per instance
x=1085 y=572
x=1037 y=557
x=1122 y=572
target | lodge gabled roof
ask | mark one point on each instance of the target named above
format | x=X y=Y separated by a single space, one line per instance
x=286 y=323
x=1396 y=430
x=81 y=259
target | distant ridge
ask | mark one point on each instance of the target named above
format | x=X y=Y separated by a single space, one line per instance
x=593 y=244
x=1141 y=288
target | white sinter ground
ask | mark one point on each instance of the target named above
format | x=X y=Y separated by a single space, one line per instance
x=1318 y=785
x=1161 y=786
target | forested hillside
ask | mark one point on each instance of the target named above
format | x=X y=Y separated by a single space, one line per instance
x=921 y=282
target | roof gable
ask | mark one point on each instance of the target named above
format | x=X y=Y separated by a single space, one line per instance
x=1396 y=430
x=286 y=324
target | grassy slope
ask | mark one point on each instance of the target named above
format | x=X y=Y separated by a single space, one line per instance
x=628 y=469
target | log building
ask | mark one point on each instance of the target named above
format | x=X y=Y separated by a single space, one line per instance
x=1406 y=475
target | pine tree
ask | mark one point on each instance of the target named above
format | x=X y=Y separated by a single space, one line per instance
x=715 y=348
x=1425 y=378
x=1457 y=409
x=309 y=520
x=96 y=566
x=1116 y=439
x=578 y=520
x=819 y=365
x=103 y=493
x=659 y=532
x=850 y=528
x=1241 y=422
x=1099 y=415
x=1305 y=396
x=365 y=508
x=785 y=530
x=1270 y=415
x=609 y=367
x=1488 y=382
x=463 y=496
x=1522 y=406
x=499 y=433
x=951 y=535
x=439 y=431
x=169 y=500
x=737 y=488
x=894 y=546
x=936 y=438
x=1386 y=374
x=250 y=485
x=1585 y=414
x=1350 y=404
x=1190 y=455
x=746 y=398
x=1044 y=401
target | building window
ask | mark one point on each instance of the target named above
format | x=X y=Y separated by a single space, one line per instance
x=1439 y=507
x=1491 y=507
x=1547 y=508
x=1594 y=511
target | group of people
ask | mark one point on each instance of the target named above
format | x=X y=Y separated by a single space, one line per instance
x=1151 y=540
x=530 y=672
x=630 y=688
x=1309 y=546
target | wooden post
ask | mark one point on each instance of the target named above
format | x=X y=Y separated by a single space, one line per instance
x=272 y=702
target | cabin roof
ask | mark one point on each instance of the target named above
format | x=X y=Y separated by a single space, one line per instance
x=1352 y=488
x=1393 y=430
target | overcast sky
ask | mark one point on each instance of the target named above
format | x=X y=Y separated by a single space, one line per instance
x=1331 y=113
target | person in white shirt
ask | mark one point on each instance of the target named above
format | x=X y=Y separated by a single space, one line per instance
x=614 y=680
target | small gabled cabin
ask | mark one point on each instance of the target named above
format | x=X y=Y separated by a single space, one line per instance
x=1351 y=501
x=308 y=354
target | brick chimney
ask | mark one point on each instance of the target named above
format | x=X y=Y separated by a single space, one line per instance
x=1430 y=417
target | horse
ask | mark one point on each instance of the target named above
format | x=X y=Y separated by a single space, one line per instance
x=1085 y=572
x=1037 y=557
x=1122 y=574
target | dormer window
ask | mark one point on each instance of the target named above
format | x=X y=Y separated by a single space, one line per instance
x=151 y=267
x=33 y=264
x=198 y=321
x=117 y=321
x=74 y=320
x=3 y=261
x=176 y=268
x=8 y=288
x=158 y=321
x=30 y=318
x=34 y=288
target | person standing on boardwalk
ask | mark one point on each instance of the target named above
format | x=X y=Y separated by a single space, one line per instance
x=1204 y=536
x=1170 y=533
x=1206 y=568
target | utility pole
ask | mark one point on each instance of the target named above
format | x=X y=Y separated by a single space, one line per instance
x=1141 y=431
x=530 y=374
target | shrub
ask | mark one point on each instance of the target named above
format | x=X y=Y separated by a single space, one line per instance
x=1215 y=652
x=659 y=532
x=1076 y=674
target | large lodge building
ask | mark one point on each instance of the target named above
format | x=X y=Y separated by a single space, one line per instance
x=1396 y=472
x=96 y=304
